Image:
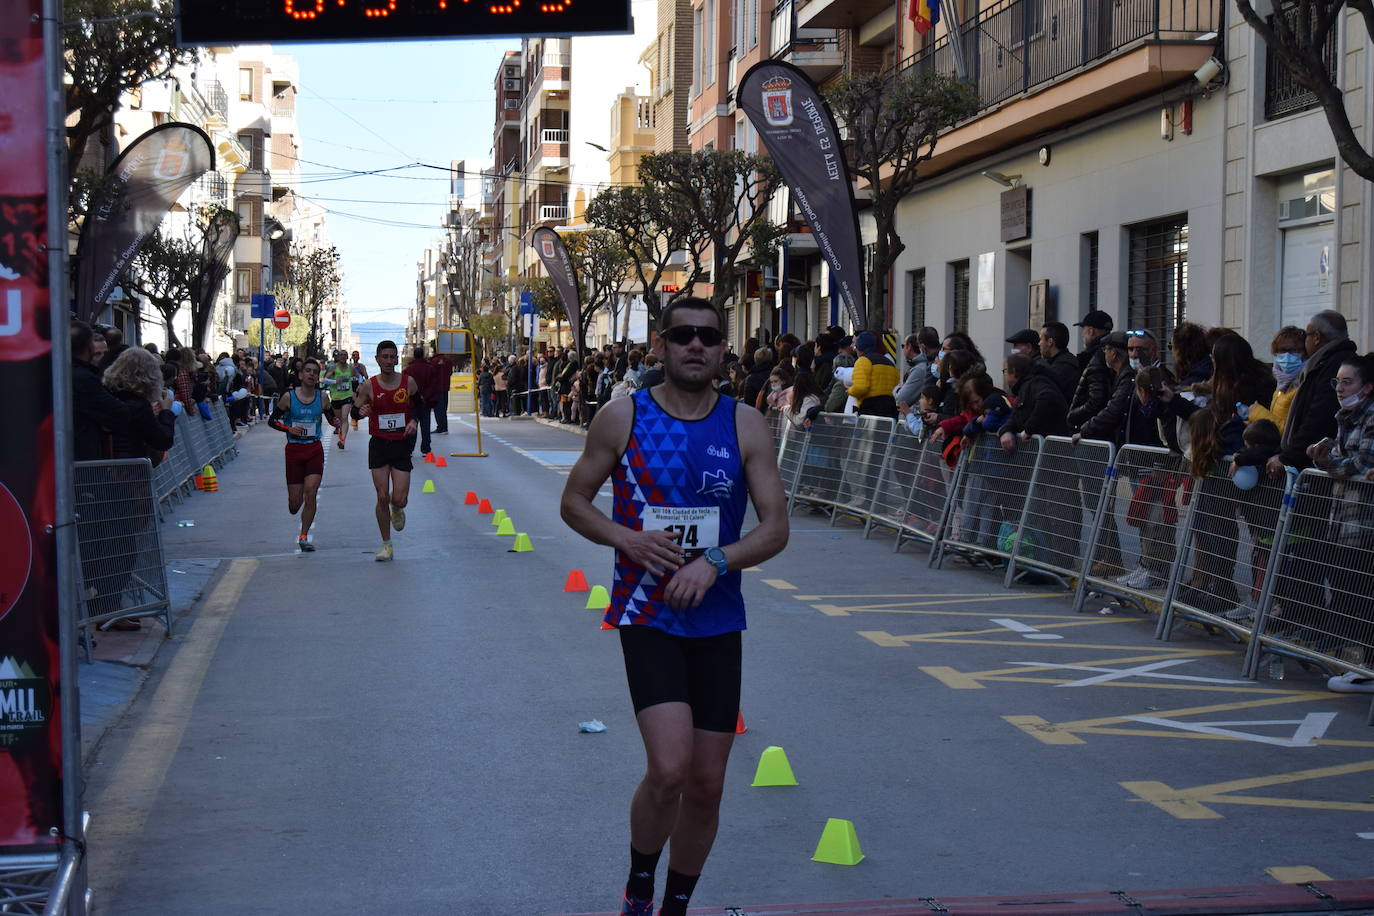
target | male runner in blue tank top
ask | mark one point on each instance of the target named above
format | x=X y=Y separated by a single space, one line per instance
x=684 y=462
x=300 y=413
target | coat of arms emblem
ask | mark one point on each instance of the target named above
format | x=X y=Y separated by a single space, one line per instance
x=777 y=101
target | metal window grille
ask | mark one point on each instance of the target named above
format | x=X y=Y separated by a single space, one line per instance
x=1157 y=289
x=959 y=297
x=918 y=300
x=1091 y=243
x=1282 y=94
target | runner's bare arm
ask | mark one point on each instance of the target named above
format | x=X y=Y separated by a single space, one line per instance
x=656 y=551
x=329 y=414
x=363 y=399
x=767 y=539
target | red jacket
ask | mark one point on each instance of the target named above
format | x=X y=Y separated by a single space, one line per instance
x=440 y=369
x=419 y=369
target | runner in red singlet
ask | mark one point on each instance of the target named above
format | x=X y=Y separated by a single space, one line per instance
x=386 y=401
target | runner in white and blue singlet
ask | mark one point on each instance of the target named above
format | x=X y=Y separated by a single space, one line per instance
x=685 y=462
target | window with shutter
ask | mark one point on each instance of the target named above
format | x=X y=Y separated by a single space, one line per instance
x=1157 y=283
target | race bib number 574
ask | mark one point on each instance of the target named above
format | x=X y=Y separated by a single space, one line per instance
x=695 y=528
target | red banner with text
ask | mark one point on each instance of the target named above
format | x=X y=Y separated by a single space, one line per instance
x=30 y=728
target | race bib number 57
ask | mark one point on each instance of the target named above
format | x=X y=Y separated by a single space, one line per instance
x=391 y=421
x=695 y=528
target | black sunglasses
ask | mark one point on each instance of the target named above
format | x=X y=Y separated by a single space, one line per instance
x=682 y=334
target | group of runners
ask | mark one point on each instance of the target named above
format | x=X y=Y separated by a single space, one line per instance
x=684 y=462
x=385 y=400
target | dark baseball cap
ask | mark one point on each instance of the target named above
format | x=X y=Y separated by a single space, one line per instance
x=1116 y=340
x=1096 y=319
x=1024 y=336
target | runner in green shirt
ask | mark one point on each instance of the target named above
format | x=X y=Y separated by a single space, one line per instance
x=338 y=380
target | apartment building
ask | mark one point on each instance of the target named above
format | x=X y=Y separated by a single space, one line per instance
x=668 y=58
x=244 y=99
x=1295 y=218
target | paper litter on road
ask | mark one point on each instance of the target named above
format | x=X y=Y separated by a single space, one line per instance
x=592 y=727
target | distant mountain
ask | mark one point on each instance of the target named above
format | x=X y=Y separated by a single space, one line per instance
x=359 y=326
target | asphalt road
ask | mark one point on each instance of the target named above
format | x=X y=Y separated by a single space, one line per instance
x=334 y=735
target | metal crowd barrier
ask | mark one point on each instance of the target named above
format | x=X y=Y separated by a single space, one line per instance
x=119 y=542
x=197 y=442
x=1287 y=568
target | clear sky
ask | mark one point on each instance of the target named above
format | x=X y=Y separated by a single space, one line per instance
x=365 y=107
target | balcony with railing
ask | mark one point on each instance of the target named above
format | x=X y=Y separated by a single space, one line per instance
x=1042 y=64
x=839 y=14
x=283 y=106
x=816 y=52
x=554 y=135
x=211 y=188
x=553 y=213
x=1283 y=95
x=217 y=102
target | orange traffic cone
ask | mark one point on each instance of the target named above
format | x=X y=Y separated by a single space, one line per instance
x=429 y=457
x=200 y=481
x=606 y=626
x=470 y=499
x=441 y=462
x=576 y=582
x=740 y=727
x=484 y=507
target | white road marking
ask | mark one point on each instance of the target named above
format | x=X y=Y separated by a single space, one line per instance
x=1309 y=728
x=1117 y=674
x=1025 y=630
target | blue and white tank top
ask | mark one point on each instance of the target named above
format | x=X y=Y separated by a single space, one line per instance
x=309 y=416
x=687 y=476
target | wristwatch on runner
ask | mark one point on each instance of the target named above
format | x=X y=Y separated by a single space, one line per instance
x=716 y=557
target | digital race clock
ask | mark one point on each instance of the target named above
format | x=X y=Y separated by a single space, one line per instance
x=223 y=22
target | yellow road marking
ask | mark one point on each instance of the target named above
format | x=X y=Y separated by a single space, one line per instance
x=924 y=595
x=780 y=584
x=1296 y=874
x=1044 y=730
x=1191 y=804
x=883 y=638
x=979 y=599
x=953 y=679
x=133 y=788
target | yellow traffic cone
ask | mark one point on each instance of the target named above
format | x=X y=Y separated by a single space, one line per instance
x=506 y=527
x=210 y=480
x=774 y=770
x=428 y=487
x=839 y=844
x=598 y=598
x=498 y=516
x=522 y=544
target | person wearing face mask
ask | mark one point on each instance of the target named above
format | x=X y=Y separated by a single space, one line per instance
x=1312 y=415
x=1348 y=622
x=1290 y=355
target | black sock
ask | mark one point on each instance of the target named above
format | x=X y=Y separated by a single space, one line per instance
x=642 y=868
x=677 y=890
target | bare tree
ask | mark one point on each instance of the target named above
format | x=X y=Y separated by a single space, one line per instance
x=723 y=197
x=176 y=270
x=892 y=122
x=312 y=274
x=113 y=47
x=657 y=232
x=1298 y=34
x=603 y=265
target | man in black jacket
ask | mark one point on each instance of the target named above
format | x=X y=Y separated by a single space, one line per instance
x=1312 y=416
x=1056 y=357
x=1039 y=409
x=95 y=411
x=1096 y=379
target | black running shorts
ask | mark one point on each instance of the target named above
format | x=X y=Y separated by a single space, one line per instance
x=393 y=453
x=703 y=672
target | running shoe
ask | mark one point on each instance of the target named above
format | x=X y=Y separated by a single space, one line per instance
x=384 y=554
x=1244 y=613
x=398 y=518
x=303 y=544
x=632 y=907
x=341 y=445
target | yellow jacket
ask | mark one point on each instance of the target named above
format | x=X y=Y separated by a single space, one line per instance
x=1278 y=407
x=873 y=379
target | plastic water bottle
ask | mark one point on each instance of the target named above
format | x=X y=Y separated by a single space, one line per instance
x=1276 y=668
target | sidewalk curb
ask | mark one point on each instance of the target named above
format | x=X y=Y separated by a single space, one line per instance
x=573 y=428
